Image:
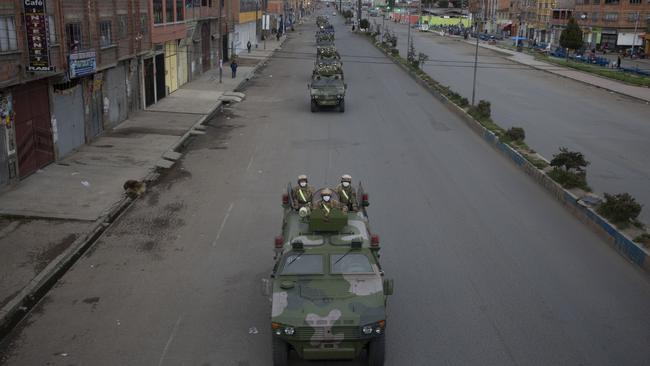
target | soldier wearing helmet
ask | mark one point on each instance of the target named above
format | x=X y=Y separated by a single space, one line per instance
x=347 y=195
x=327 y=202
x=302 y=193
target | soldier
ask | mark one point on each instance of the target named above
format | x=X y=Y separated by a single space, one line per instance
x=326 y=202
x=347 y=195
x=302 y=193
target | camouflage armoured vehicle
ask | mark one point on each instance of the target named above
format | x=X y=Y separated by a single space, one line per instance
x=328 y=68
x=327 y=287
x=325 y=40
x=327 y=90
x=321 y=21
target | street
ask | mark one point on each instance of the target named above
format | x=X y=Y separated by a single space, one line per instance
x=488 y=268
x=611 y=130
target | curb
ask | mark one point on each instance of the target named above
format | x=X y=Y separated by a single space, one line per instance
x=30 y=295
x=606 y=230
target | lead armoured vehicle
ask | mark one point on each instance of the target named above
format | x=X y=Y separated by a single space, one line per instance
x=327 y=288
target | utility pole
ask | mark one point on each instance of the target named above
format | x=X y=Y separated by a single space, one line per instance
x=359 y=12
x=476 y=53
x=636 y=24
x=220 y=46
x=408 y=32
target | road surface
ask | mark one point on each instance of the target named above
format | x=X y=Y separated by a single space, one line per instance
x=488 y=268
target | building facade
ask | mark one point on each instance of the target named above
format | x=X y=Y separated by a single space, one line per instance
x=68 y=70
x=614 y=24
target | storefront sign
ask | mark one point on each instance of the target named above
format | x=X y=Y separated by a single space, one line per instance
x=81 y=64
x=36 y=33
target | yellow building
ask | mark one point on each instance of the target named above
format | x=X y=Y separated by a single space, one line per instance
x=542 y=24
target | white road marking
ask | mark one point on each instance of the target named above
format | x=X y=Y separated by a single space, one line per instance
x=169 y=341
x=223 y=224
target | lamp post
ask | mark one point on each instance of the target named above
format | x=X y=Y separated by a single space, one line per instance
x=476 y=53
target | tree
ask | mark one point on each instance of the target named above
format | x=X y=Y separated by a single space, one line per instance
x=391 y=4
x=569 y=160
x=443 y=4
x=457 y=3
x=571 y=37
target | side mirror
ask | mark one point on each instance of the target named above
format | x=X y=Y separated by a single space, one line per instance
x=266 y=287
x=388 y=286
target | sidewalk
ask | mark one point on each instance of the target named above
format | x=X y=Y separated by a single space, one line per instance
x=52 y=214
x=600 y=82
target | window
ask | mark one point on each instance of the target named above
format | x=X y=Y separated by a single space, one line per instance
x=350 y=263
x=73 y=37
x=157 y=11
x=144 y=23
x=635 y=1
x=51 y=30
x=8 y=34
x=610 y=17
x=303 y=264
x=611 y=2
x=594 y=16
x=595 y=2
x=105 y=36
x=169 y=9
x=586 y=2
x=632 y=17
x=204 y=2
x=121 y=26
x=179 y=10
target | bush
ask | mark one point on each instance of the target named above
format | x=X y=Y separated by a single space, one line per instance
x=364 y=24
x=516 y=134
x=569 y=179
x=570 y=160
x=643 y=239
x=394 y=51
x=483 y=109
x=348 y=14
x=620 y=209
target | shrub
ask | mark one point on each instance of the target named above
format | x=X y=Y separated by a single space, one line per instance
x=394 y=51
x=364 y=24
x=516 y=134
x=463 y=102
x=570 y=160
x=484 y=108
x=569 y=179
x=620 y=209
x=643 y=239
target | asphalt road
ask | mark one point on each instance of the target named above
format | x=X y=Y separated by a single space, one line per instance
x=488 y=268
x=612 y=131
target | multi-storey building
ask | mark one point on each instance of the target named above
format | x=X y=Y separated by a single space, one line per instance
x=189 y=38
x=542 y=21
x=68 y=70
x=504 y=22
x=614 y=24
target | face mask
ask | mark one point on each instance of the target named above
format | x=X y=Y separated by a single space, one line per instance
x=326 y=198
x=346 y=184
x=303 y=184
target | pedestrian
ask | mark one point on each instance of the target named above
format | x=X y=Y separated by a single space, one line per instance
x=233 y=67
x=277 y=36
x=618 y=62
x=353 y=27
x=249 y=45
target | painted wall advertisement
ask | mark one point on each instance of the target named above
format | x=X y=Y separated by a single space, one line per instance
x=36 y=33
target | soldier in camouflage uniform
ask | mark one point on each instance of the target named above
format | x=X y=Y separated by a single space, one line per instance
x=302 y=193
x=347 y=195
x=326 y=203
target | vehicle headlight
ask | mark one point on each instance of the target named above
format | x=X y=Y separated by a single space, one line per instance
x=289 y=331
x=367 y=330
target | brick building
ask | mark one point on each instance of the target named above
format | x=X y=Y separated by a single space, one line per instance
x=68 y=70
x=615 y=24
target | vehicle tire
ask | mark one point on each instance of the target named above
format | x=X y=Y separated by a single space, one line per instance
x=342 y=106
x=377 y=351
x=280 y=352
x=314 y=106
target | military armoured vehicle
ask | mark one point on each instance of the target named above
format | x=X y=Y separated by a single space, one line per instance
x=327 y=287
x=325 y=40
x=328 y=68
x=321 y=21
x=327 y=90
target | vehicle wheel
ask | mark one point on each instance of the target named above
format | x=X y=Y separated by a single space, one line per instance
x=342 y=106
x=280 y=352
x=314 y=106
x=377 y=351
